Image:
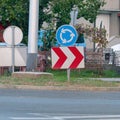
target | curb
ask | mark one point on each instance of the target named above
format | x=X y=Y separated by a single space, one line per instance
x=64 y=88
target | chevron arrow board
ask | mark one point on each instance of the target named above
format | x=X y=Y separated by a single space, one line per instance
x=67 y=57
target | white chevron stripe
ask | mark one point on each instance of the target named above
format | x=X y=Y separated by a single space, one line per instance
x=81 y=50
x=55 y=57
x=70 y=57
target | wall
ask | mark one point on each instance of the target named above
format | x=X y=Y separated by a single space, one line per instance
x=105 y=19
x=110 y=19
x=112 y=5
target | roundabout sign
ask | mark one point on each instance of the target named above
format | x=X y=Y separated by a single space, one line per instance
x=66 y=35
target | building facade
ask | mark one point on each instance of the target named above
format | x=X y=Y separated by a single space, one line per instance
x=109 y=16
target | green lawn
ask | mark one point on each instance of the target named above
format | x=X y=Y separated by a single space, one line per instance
x=77 y=78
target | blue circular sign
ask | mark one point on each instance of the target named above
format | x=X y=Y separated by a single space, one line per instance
x=66 y=35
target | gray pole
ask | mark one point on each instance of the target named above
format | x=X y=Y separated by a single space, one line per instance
x=33 y=35
x=13 y=48
x=94 y=33
x=73 y=14
x=33 y=26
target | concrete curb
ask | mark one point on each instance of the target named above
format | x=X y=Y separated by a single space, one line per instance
x=71 y=88
x=33 y=75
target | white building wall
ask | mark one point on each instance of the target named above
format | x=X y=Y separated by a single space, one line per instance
x=105 y=19
x=110 y=19
x=111 y=5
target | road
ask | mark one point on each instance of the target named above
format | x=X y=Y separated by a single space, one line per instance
x=16 y=104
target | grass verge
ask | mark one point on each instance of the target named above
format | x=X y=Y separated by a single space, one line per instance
x=77 y=78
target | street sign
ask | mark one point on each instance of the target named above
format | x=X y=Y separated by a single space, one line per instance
x=67 y=57
x=66 y=35
x=13 y=33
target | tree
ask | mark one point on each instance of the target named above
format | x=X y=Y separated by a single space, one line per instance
x=42 y=15
x=98 y=35
x=16 y=12
x=86 y=8
x=60 y=10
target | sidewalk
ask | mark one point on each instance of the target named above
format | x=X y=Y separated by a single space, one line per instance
x=107 y=79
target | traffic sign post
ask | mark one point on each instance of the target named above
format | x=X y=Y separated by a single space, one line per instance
x=67 y=58
x=13 y=48
x=67 y=35
x=13 y=35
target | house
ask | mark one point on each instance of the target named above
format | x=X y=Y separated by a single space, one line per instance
x=109 y=15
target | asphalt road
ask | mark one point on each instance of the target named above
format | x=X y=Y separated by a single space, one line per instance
x=58 y=105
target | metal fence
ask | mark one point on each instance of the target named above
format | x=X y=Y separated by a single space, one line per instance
x=100 y=59
x=117 y=58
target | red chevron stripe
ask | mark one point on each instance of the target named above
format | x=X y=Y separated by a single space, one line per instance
x=62 y=57
x=78 y=57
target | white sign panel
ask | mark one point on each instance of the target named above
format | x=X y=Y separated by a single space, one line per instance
x=6 y=56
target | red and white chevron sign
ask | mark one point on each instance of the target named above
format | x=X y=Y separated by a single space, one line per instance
x=67 y=57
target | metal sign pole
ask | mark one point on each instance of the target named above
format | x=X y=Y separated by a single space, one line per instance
x=73 y=14
x=68 y=75
x=13 y=48
x=12 y=35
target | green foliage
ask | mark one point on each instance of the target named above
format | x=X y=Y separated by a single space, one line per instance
x=78 y=79
x=16 y=12
x=86 y=8
x=98 y=35
x=60 y=12
x=111 y=73
x=48 y=40
x=43 y=4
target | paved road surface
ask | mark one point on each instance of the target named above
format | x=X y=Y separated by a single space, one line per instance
x=58 y=105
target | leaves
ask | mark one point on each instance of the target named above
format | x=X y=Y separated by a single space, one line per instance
x=87 y=9
x=16 y=12
x=98 y=34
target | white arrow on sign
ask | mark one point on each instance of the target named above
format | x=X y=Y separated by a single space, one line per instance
x=67 y=57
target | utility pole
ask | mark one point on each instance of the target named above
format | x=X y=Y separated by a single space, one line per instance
x=33 y=34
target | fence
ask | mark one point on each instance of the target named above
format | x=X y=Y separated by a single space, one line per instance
x=117 y=58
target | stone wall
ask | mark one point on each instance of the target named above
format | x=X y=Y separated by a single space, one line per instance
x=93 y=60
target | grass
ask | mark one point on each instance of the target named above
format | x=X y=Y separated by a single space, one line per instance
x=77 y=78
x=84 y=78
